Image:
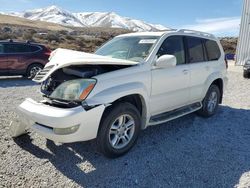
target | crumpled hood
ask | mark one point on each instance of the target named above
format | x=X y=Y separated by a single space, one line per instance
x=66 y=57
x=60 y=58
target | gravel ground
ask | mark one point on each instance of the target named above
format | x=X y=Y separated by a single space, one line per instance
x=187 y=152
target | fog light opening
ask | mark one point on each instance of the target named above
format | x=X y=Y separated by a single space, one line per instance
x=65 y=131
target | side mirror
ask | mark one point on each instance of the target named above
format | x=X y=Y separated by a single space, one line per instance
x=166 y=61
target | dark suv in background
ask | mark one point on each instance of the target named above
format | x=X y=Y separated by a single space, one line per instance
x=20 y=58
x=246 y=70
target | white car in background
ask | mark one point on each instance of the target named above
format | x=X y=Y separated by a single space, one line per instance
x=132 y=82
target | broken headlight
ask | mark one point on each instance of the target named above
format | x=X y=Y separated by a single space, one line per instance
x=74 y=90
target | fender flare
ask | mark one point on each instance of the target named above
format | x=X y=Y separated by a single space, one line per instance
x=214 y=76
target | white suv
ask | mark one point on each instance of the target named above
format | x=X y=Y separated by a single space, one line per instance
x=132 y=82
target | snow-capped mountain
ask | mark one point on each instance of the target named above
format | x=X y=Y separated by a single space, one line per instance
x=111 y=19
x=57 y=15
x=51 y=14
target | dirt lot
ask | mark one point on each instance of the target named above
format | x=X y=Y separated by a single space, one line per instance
x=188 y=152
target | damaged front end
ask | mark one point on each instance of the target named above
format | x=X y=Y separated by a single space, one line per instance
x=67 y=66
x=75 y=74
x=63 y=115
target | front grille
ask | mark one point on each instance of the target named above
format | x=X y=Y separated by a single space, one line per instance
x=39 y=76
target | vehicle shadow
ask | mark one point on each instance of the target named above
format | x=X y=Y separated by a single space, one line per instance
x=6 y=82
x=188 y=152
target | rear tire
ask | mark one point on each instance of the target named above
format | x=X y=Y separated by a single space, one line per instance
x=119 y=130
x=33 y=69
x=211 y=102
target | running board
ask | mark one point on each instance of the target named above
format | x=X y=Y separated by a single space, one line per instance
x=171 y=115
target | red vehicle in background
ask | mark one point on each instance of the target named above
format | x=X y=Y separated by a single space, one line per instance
x=20 y=58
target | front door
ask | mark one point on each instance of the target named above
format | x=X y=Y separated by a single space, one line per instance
x=170 y=86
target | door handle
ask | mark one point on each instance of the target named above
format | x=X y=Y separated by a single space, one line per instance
x=185 y=71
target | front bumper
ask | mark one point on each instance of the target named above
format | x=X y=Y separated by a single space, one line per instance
x=43 y=118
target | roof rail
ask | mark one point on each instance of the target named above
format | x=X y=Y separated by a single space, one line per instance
x=196 y=32
x=169 y=29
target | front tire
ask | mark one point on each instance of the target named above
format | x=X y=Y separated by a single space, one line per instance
x=211 y=102
x=119 y=130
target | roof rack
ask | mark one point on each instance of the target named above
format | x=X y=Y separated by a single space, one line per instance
x=196 y=32
x=170 y=29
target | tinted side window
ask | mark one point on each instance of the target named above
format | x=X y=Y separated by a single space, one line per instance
x=173 y=46
x=20 y=48
x=14 y=48
x=1 y=49
x=213 y=50
x=195 y=49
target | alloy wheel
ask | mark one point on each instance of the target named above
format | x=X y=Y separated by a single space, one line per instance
x=212 y=102
x=121 y=131
x=34 y=71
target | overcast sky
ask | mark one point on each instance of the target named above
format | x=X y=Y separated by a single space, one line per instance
x=221 y=17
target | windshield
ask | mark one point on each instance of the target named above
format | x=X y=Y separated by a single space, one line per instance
x=128 y=48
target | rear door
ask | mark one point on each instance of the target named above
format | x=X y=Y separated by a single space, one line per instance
x=199 y=67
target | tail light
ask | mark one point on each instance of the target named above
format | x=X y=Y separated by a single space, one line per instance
x=52 y=54
x=47 y=52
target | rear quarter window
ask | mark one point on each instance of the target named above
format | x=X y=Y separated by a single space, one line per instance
x=34 y=48
x=213 y=50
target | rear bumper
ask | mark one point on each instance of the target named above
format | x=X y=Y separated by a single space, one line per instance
x=44 y=118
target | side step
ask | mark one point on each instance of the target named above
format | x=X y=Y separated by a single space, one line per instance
x=168 y=116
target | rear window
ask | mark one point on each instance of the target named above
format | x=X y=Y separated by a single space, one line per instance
x=213 y=50
x=20 y=48
x=195 y=49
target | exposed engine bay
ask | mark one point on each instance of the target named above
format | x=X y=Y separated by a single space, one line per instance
x=67 y=79
x=75 y=72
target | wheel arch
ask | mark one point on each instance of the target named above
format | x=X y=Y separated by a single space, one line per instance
x=135 y=99
x=219 y=83
x=216 y=79
x=31 y=64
